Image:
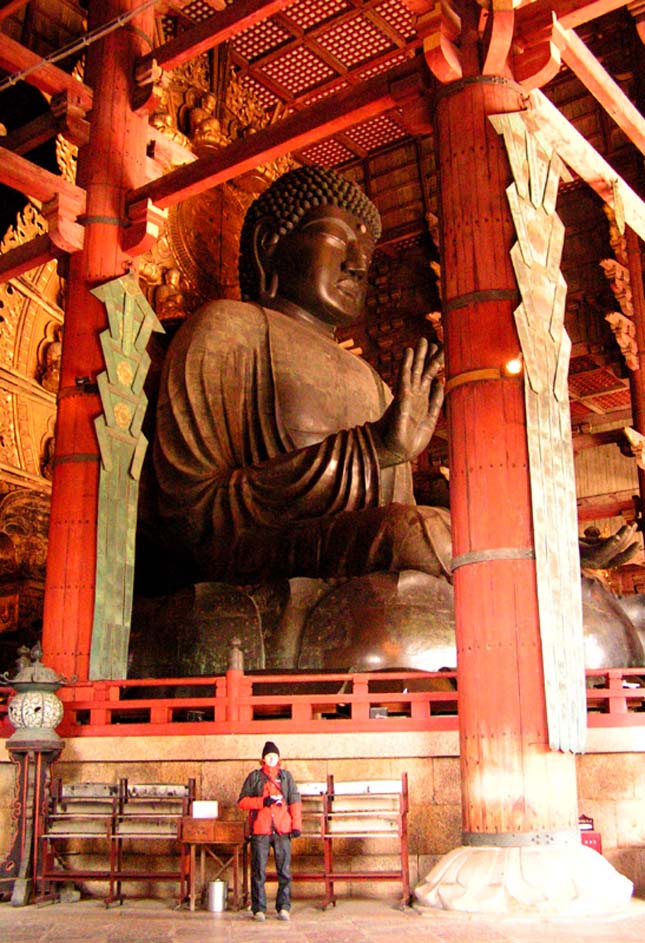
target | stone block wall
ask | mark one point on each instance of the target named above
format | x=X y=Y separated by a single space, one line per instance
x=611 y=790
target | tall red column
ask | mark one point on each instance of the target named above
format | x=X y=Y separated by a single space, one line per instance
x=511 y=780
x=111 y=164
x=520 y=844
x=637 y=378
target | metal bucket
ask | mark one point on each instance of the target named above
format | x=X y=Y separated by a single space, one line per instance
x=217 y=894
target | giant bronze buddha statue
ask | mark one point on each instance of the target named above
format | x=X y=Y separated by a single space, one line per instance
x=282 y=458
x=278 y=453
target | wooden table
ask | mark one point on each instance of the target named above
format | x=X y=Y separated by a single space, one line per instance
x=226 y=843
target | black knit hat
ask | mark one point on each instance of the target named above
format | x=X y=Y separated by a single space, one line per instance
x=269 y=747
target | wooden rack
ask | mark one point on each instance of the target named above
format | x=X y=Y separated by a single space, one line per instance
x=350 y=811
x=98 y=818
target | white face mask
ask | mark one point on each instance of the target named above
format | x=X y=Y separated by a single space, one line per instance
x=271 y=759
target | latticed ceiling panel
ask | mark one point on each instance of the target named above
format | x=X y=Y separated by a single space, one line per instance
x=582 y=364
x=384 y=64
x=611 y=402
x=594 y=383
x=265 y=96
x=298 y=71
x=256 y=40
x=355 y=41
x=199 y=10
x=312 y=44
x=376 y=133
x=397 y=16
x=328 y=153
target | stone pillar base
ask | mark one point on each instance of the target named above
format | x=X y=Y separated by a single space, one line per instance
x=566 y=881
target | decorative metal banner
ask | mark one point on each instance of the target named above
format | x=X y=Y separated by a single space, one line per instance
x=122 y=446
x=546 y=350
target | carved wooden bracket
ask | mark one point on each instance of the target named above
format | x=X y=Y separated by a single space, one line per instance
x=637 y=10
x=66 y=116
x=499 y=37
x=535 y=56
x=439 y=25
x=146 y=93
x=146 y=223
x=63 y=230
x=69 y=112
x=439 y=28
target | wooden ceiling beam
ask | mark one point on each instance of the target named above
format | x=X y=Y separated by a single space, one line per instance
x=594 y=77
x=34 y=181
x=212 y=32
x=302 y=129
x=62 y=118
x=63 y=203
x=598 y=506
x=592 y=425
x=48 y=78
x=36 y=252
x=532 y=14
x=590 y=440
x=8 y=7
x=581 y=157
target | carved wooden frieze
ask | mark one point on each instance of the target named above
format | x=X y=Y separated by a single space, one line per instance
x=546 y=348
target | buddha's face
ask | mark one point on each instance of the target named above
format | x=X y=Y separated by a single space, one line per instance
x=322 y=265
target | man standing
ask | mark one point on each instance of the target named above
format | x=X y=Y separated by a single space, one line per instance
x=271 y=797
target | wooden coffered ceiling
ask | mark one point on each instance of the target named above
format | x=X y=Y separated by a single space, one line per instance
x=344 y=83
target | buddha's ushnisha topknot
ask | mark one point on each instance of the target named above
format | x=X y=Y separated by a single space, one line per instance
x=288 y=200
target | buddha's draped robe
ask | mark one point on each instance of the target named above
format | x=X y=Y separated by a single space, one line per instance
x=265 y=458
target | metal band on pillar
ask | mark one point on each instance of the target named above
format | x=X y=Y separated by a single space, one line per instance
x=499 y=553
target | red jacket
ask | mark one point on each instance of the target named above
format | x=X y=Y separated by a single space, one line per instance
x=271 y=781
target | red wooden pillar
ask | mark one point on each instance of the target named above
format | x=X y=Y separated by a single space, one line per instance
x=637 y=377
x=520 y=844
x=111 y=164
x=511 y=780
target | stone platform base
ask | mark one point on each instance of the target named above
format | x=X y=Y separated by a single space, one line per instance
x=566 y=880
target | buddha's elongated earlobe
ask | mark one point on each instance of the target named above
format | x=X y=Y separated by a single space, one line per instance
x=265 y=240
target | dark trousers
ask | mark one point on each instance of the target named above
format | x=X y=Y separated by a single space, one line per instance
x=260 y=845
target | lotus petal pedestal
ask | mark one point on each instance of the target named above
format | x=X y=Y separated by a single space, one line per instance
x=566 y=881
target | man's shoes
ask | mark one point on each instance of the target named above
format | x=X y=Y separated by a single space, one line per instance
x=260 y=915
x=283 y=915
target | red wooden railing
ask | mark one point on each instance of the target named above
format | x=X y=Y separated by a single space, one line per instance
x=236 y=703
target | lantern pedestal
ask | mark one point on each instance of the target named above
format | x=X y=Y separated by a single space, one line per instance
x=33 y=747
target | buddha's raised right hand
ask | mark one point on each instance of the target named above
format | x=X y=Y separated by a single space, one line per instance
x=408 y=423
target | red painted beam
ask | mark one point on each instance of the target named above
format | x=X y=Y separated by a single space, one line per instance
x=591 y=73
x=570 y=13
x=324 y=119
x=48 y=78
x=11 y=6
x=217 y=29
x=24 y=258
x=28 y=178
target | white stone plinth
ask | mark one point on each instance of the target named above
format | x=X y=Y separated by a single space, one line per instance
x=567 y=880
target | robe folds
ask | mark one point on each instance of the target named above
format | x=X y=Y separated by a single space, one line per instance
x=265 y=458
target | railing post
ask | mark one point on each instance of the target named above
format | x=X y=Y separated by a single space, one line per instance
x=101 y=692
x=360 y=702
x=219 y=704
x=301 y=711
x=235 y=686
x=617 y=705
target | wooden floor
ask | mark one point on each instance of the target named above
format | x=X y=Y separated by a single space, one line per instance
x=351 y=921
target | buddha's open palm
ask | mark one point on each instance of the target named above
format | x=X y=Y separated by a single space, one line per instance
x=408 y=423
